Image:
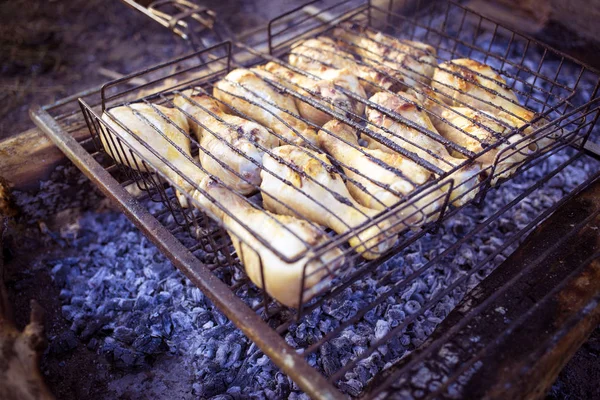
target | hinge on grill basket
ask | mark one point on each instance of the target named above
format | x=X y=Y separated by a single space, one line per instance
x=194 y=23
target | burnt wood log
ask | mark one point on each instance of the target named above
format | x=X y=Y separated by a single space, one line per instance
x=20 y=377
x=523 y=336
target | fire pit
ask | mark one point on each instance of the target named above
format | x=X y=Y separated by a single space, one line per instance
x=124 y=300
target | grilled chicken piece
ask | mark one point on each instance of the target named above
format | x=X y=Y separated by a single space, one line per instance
x=477 y=130
x=411 y=63
x=318 y=55
x=221 y=137
x=448 y=120
x=468 y=82
x=290 y=236
x=242 y=87
x=376 y=186
x=432 y=102
x=325 y=90
x=411 y=139
x=156 y=126
x=317 y=193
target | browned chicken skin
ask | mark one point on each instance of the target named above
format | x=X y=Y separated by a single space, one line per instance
x=330 y=89
x=157 y=126
x=290 y=236
x=322 y=53
x=373 y=185
x=417 y=142
x=320 y=195
x=275 y=110
x=410 y=63
x=220 y=135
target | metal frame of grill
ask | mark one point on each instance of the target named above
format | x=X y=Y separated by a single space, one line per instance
x=201 y=248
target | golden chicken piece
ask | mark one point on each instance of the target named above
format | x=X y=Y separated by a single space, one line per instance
x=379 y=187
x=242 y=87
x=411 y=139
x=477 y=130
x=319 y=195
x=325 y=90
x=432 y=102
x=290 y=236
x=447 y=120
x=468 y=82
x=220 y=135
x=412 y=63
x=162 y=129
x=322 y=53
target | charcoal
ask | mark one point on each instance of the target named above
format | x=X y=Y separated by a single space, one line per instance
x=92 y=344
x=339 y=311
x=289 y=339
x=163 y=298
x=412 y=306
x=124 y=357
x=147 y=287
x=181 y=321
x=301 y=332
x=196 y=295
x=77 y=301
x=235 y=355
x=221 y=355
x=149 y=344
x=64 y=343
x=124 y=304
x=60 y=272
x=65 y=294
x=352 y=386
x=166 y=324
x=371 y=316
x=325 y=325
x=329 y=359
x=223 y=397
x=270 y=394
x=202 y=318
x=381 y=329
x=235 y=392
x=69 y=312
x=264 y=360
x=214 y=384
x=362 y=332
x=208 y=325
x=298 y=396
x=219 y=317
x=143 y=302
x=124 y=334
x=109 y=346
x=91 y=327
x=395 y=314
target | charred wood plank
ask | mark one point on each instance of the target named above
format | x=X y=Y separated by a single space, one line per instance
x=30 y=156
